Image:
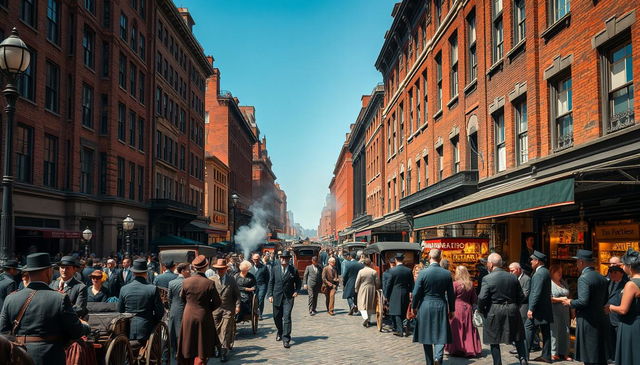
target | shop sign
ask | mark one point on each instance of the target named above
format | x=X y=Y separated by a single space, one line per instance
x=219 y=219
x=62 y=234
x=620 y=232
x=465 y=245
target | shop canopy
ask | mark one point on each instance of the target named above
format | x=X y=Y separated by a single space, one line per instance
x=506 y=199
x=197 y=226
x=174 y=240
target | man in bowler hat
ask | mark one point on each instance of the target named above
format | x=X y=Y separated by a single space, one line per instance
x=284 y=285
x=540 y=313
x=49 y=321
x=69 y=284
x=398 y=288
x=9 y=279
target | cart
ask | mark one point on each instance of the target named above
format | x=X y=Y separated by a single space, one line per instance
x=302 y=254
x=251 y=317
x=380 y=253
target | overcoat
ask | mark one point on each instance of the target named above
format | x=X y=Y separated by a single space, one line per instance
x=592 y=324
x=433 y=299
x=50 y=314
x=77 y=292
x=499 y=301
x=143 y=300
x=176 y=309
x=367 y=284
x=7 y=286
x=351 y=269
x=540 y=296
x=198 y=335
x=399 y=287
x=283 y=285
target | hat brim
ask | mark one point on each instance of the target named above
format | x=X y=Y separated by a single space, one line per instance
x=29 y=269
x=590 y=259
x=219 y=266
x=138 y=271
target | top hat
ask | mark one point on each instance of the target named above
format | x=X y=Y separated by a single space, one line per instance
x=537 y=255
x=220 y=264
x=68 y=261
x=200 y=262
x=285 y=254
x=169 y=264
x=584 y=255
x=399 y=256
x=37 y=261
x=11 y=264
x=139 y=266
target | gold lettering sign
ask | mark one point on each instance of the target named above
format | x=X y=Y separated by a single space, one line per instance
x=621 y=232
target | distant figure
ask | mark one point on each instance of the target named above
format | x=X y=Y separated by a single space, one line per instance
x=312 y=281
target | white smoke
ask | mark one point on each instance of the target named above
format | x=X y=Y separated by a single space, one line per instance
x=251 y=236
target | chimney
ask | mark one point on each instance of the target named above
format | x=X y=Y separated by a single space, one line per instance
x=184 y=12
x=210 y=59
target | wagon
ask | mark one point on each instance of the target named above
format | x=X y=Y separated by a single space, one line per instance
x=380 y=253
x=185 y=253
x=302 y=254
x=109 y=335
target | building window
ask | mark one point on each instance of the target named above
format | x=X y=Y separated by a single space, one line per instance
x=86 y=171
x=453 y=75
x=124 y=21
x=142 y=49
x=473 y=151
x=24 y=153
x=87 y=106
x=395 y=133
x=418 y=97
x=410 y=112
x=440 y=152
x=28 y=12
x=134 y=38
x=426 y=170
x=103 y=173
x=519 y=16
x=106 y=13
x=408 y=182
x=181 y=162
x=497 y=34
x=402 y=185
x=558 y=9
x=501 y=148
x=50 y=167
x=418 y=176
x=105 y=59
x=401 y=134
x=388 y=196
x=120 y=187
x=141 y=134
x=104 y=113
x=522 y=128
x=133 y=123
x=425 y=96
x=472 y=57
x=133 y=74
x=619 y=72
x=438 y=60
x=561 y=100
x=122 y=72
x=141 y=87
x=52 y=88
x=456 y=154
x=90 y=5
x=88 y=45
x=122 y=121
x=27 y=80
x=132 y=181
x=140 y=183
x=53 y=21
x=438 y=11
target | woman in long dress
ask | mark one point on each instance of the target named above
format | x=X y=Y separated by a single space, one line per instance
x=465 y=336
x=561 y=315
x=629 y=310
x=367 y=284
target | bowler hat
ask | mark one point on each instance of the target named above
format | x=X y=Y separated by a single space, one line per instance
x=200 y=262
x=37 y=261
x=537 y=255
x=399 y=256
x=169 y=264
x=68 y=261
x=615 y=268
x=139 y=266
x=11 y=264
x=285 y=254
x=584 y=255
x=220 y=264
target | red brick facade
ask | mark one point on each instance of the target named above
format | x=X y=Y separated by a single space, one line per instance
x=343 y=173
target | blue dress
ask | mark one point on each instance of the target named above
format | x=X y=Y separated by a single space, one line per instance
x=628 y=334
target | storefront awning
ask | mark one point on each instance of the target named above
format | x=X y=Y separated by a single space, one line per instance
x=395 y=222
x=506 y=199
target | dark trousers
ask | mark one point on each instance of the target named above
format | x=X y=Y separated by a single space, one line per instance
x=282 y=318
x=530 y=333
x=261 y=292
x=313 y=298
x=398 y=325
x=351 y=302
x=428 y=353
x=497 y=357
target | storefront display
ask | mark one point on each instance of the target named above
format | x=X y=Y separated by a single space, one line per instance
x=614 y=240
x=459 y=251
x=564 y=242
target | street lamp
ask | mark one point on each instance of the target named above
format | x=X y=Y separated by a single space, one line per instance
x=86 y=235
x=234 y=198
x=14 y=60
x=127 y=226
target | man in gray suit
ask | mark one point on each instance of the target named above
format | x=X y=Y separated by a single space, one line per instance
x=68 y=284
x=176 y=305
x=313 y=282
x=540 y=313
x=525 y=284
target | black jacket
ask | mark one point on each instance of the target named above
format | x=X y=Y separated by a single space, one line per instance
x=143 y=300
x=499 y=301
x=77 y=293
x=283 y=285
x=399 y=285
x=349 y=276
x=540 y=296
x=261 y=272
x=7 y=286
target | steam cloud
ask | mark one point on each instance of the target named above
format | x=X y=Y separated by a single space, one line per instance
x=249 y=237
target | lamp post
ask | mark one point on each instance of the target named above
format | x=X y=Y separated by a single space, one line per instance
x=127 y=226
x=86 y=235
x=14 y=60
x=234 y=199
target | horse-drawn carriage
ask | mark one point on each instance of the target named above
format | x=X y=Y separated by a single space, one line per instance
x=380 y=253
x=302 y=254
x=110 y=338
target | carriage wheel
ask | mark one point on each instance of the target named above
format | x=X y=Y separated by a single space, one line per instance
x=156 y=344
x=379 y=309
x=119 y=352
x=254 y=314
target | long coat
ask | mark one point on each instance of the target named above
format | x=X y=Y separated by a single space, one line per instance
x=434 y=298
x=592 y=324
x=49 y=314
x=176 y=310
x=499 y=300
x=7 y=286
x=540 y=296
x=351 y=269
x=143 y=300
x=198 y=335
x=77 y=293
x=399 y=287
x=367 y=283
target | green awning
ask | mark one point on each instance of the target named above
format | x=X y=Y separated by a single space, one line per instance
x=174 y=240
x=509 y=199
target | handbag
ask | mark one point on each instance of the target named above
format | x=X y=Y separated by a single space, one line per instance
x=478 y=319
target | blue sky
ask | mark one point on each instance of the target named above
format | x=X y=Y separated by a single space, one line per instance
x=304 y=64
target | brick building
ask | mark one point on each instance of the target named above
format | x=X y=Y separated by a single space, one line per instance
x=512 y=119
x=327 y=225
x=343 y=190
x=265 y=191
x=229 y=136
x=216 y=205
x=282 y=219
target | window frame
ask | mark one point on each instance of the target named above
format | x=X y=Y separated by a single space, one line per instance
x=472 y=51
x=520 y=108
x=52 y=87
x=558 y=142
x=454 y=83
x=614 y=122
x=53 y=23
x=500 y=149
x=519 y=25
x=88 y=100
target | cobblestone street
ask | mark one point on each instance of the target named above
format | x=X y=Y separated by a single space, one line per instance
x=341 y=339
